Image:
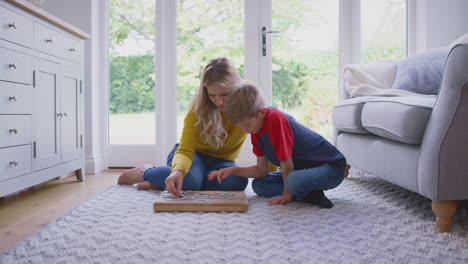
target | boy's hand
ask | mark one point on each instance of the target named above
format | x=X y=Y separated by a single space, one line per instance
x=281 y=200
x=220 y=174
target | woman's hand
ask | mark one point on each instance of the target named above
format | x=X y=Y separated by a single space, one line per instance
x=221 y=174
x=174 y=183
x=282 y=200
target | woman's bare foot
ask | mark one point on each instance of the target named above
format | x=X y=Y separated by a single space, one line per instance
x=146 y=185
x=134 y=175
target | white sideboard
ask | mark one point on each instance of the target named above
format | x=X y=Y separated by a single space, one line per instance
x=41 y=97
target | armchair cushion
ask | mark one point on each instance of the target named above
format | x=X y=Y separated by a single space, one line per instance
x=422 y=73
x=347 y=114
x=402 y=119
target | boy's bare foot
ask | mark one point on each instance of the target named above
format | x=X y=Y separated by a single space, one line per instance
x=134 y=175
x=146 y=185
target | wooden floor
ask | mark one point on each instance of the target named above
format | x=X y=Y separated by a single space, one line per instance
x=24 y=214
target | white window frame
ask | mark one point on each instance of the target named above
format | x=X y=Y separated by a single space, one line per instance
x=166 y=77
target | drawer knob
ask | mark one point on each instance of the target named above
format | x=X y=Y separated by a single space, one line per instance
x=12 y=25
x=14 y=163
x=59 y=114
x=12 y=98
x=12 y=65
x=64 y=114
x=13 y=131
x=49 y=40
x=73 y=50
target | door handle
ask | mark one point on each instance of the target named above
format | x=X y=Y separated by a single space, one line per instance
x=264 y=32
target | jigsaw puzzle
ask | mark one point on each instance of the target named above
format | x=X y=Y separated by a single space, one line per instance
x=201 y=201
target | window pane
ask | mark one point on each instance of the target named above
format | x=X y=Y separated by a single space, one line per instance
x=206 y=29
x=383 y=29
x=305 y=61
x=131 y=55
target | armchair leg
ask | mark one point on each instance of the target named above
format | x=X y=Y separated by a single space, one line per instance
x=444 y=211
x=346 y=173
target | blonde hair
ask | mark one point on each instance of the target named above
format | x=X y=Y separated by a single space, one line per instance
x=244 y=103
x=222 y=73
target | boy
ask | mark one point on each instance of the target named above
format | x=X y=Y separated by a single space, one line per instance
x=309 y=163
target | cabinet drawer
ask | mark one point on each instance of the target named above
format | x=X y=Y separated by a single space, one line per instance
x=52 y=42
x=46 y=39
x=15 y=130
x=15 y=161
x=15 y=98
x=15 y=27
x=15 y=67
x=72 y=50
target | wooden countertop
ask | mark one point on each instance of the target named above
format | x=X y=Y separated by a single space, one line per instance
x=29 y=7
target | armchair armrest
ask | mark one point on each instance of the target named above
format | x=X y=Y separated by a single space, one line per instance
x=443 y=163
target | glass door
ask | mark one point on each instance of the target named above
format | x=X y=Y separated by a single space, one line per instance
x=300 y=56
x=206 y=29
x=149 y=74
x=131 y=120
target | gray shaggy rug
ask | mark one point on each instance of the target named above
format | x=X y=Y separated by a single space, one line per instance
x=372 y=222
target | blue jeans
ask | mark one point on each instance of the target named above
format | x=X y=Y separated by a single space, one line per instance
x=299 y=182
x=197 y=177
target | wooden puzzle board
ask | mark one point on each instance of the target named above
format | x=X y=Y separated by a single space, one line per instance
x=202 y=201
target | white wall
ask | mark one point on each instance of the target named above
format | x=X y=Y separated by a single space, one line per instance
x=84 y=14
x=439 y=22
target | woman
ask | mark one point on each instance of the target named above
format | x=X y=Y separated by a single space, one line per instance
x=208 y=142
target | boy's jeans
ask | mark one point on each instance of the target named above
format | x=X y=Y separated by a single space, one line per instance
x=197 y=177
x=299 y=182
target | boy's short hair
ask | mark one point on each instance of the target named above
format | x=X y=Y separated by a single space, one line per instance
x=245 y=102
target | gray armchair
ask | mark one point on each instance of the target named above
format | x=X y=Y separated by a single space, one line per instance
x=418 y=143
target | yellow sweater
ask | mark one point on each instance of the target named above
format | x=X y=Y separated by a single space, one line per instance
x=191 y=141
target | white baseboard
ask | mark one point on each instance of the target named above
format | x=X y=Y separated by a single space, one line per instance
x=94 y=164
